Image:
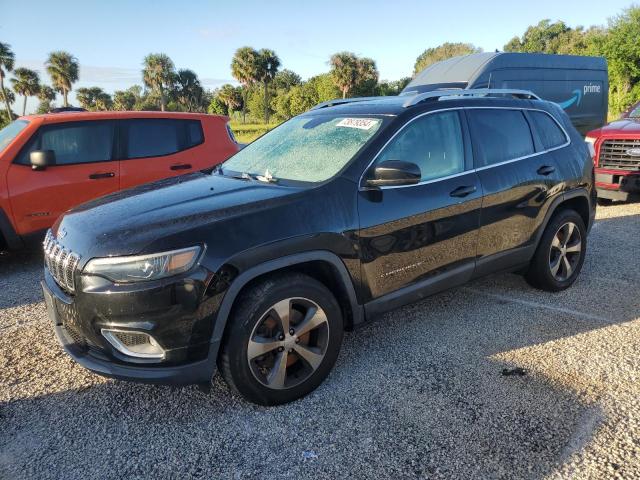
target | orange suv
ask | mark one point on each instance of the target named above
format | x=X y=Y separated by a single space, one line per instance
x=50 y=163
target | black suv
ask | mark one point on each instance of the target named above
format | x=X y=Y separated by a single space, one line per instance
x=349 y=210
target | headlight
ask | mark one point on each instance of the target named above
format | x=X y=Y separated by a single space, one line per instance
x=144 y=267
x=591 y=141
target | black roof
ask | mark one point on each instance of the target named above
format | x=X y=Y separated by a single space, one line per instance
x=394 y=105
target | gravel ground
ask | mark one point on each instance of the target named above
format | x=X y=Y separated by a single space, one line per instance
x=417 y=394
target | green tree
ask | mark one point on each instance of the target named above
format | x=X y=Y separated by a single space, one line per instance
x=159 y=74
x=124 y=100
x=217 y=106
x=245 y=69
x=268 y=65
x=7 y=59
x=231 y=97
x=443 y=52
x=87 y=97
x=622 y=49
x=103 y=101
x=350 y=72
x=387 y=88
x=46 y=95
x=285 y=79
x=26 y=83
x=189 y=91
x=545 y=37
x=64 y=70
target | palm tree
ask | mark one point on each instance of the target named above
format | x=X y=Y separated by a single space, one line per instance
x=123 y=100
x=244 y=68
x=344 y=71
x=26 y=83
x=46 y=95
x=268 y=64
x=64 y=71
x=159 y=75
x=189 y=92
x=103 y=101
x=7 y=59
x=230 y=96
x=349 y=71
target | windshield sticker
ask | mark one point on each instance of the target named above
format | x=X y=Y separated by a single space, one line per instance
x=360 y=123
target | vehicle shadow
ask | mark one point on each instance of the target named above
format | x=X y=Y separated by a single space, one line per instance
x=419 y=393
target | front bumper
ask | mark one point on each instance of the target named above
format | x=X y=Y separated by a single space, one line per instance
x=618 y=184
x=180 y=327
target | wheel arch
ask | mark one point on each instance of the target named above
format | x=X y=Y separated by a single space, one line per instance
x=578 y=200
x=324 y=266
x=8 y=236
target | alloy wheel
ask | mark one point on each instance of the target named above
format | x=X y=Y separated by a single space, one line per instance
x=288 y=343
x=565 y=252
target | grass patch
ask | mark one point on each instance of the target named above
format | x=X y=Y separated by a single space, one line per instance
x=248 y=132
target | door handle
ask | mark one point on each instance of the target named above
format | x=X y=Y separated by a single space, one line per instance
x=97 y=176
x=181 y=166
x=546 y=170
x=463 y=191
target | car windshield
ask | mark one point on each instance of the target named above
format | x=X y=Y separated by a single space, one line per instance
x=635 y=113
x=306 y=149
x=11 y=131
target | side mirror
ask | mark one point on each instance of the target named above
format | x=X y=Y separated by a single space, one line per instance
x=395 y=173
x=41 y=159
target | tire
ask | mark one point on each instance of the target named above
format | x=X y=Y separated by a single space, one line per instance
x=604 y=202
x=255 y=343
x=556 y=263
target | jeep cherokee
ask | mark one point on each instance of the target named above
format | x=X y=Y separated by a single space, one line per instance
x=338 y=215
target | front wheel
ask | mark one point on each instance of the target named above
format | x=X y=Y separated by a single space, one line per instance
x=283 y=339
x=560 y=254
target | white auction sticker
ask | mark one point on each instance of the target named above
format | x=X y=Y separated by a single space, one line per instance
x=361 y=123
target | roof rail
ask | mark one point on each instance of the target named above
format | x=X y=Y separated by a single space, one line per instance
x=479 y=92
x=341 y=101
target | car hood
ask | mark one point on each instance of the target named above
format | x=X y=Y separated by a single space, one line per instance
x=126 y=222
x=623 y=126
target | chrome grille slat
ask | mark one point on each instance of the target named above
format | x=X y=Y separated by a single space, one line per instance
x=61 y=262
x=613 y=154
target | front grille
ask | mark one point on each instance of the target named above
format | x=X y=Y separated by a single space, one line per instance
x=60 y=262
x=614 y=154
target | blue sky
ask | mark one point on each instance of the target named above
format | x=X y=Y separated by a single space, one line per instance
x=110 y=38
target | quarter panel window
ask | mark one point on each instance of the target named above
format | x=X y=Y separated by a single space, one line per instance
x=499 y=135
x=74 y=142
x=433 y=142
x=551 y=135
x=153 y=137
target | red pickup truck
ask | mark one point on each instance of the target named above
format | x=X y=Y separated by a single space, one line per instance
x=50 y=163
x=617 y=157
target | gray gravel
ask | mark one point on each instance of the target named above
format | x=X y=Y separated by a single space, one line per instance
x=418 y=394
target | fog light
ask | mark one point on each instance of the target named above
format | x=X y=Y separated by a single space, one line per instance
x=134 y=344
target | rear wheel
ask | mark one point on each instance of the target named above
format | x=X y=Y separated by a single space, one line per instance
x=283 y=339
x=560 y=254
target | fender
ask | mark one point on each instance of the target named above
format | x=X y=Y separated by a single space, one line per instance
x=271 y=266
x=6 y=230
x=575 y=193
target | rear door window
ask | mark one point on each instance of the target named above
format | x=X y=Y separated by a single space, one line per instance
x=157 y=137
x=499 y=135
x=550 y=133
x=152 y=137
x=73 y=142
